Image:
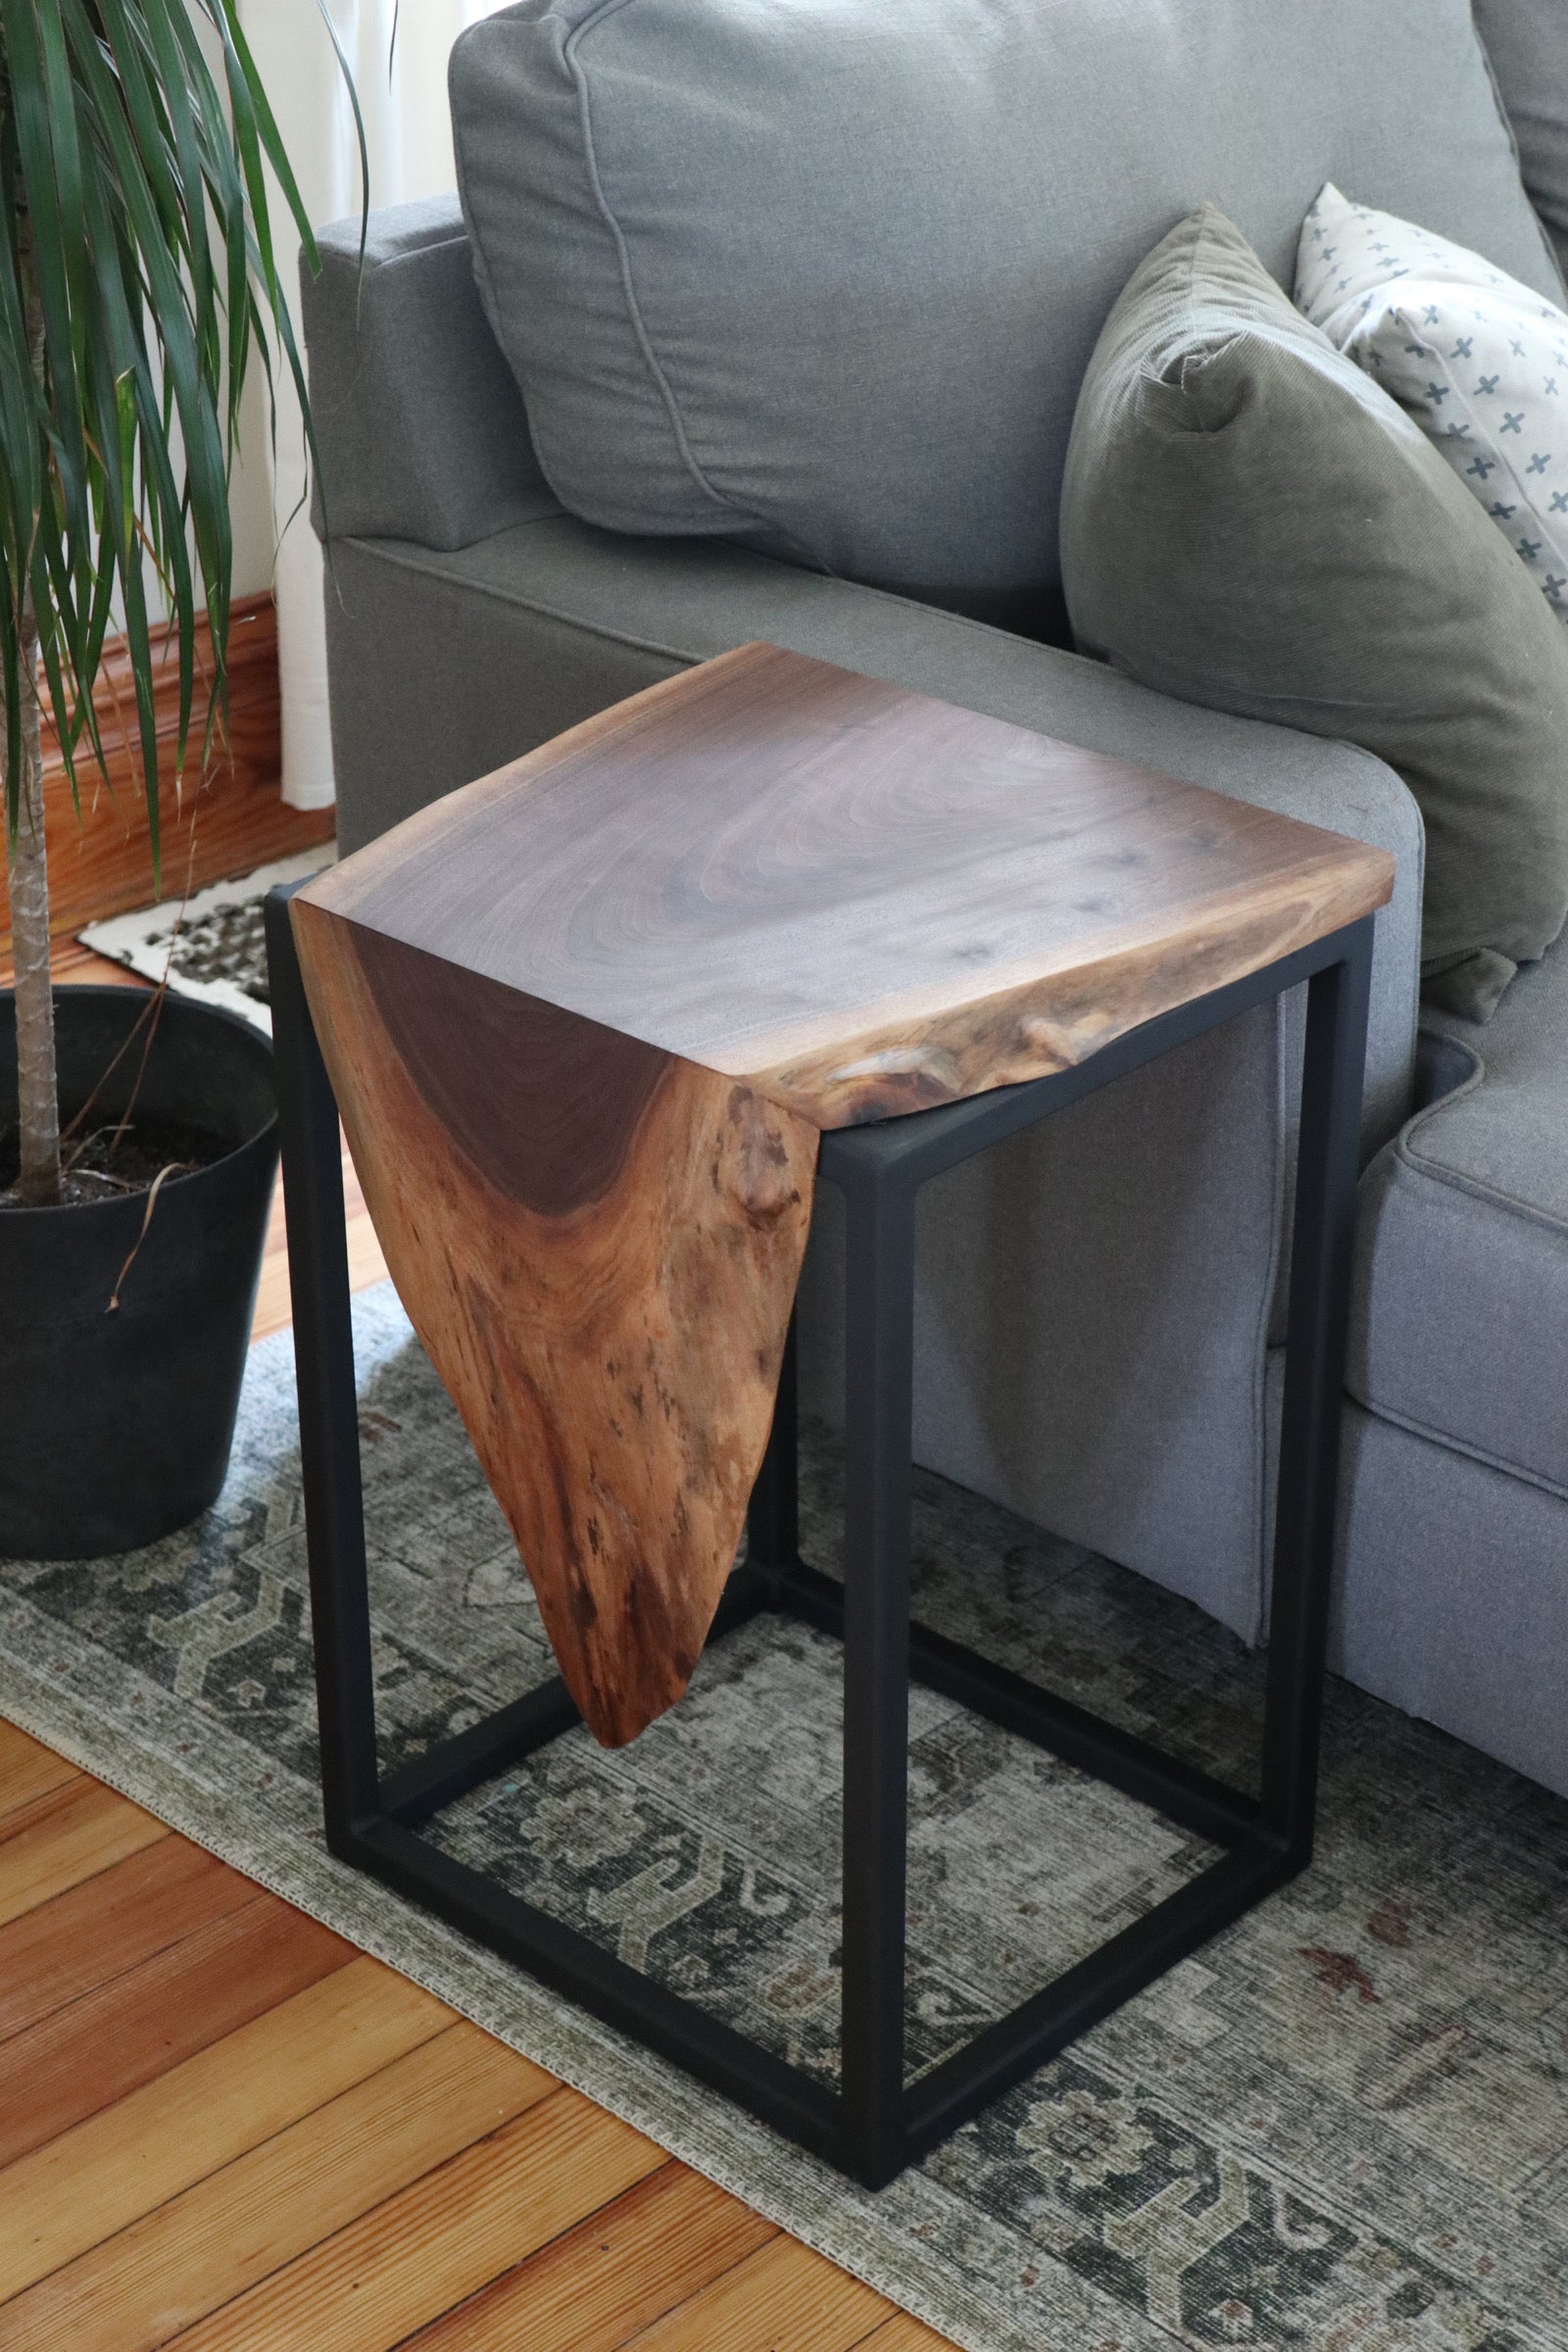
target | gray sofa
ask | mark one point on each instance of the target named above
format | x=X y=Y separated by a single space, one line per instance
x=1123 y=1391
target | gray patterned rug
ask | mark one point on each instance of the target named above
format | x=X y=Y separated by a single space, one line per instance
x=1343 y=2126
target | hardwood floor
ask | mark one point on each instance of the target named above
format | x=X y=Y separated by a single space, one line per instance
x=365 y=1262
x=222 y=2126
x=223 y=821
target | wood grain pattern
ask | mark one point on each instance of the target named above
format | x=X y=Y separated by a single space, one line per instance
x=64 y=1837
x=783 y=2296
x=108 y=2171
x=367 y=1260
x=218 y=2202
x=587 y=1018
x=74 y=965
x=81 y=1941
x=903 y=2333
x=586 y=2291
x=146 y=2019
x=599 y=1254
x=238 y=2225
x=395 y=2270
x=28 y=1771
x=224 y=821
x=618 y=2262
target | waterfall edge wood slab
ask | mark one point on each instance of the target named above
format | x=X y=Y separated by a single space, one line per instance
x=586 y=1018
x=598 y=1246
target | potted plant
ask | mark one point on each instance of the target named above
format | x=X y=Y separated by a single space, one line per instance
x=138 y=278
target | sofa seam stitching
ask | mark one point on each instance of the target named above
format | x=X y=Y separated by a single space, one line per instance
x=380 y=550
x=1510 y=132
x=485 y=284
x=1453 y=1180
x=1432 y=1435
x=1407 y=1151
x=644 y=340
x=333 y=257
x=385 y=544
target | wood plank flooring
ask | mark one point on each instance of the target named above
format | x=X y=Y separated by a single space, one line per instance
x=221 y=2127
x=365 y=1262
x=224 y=821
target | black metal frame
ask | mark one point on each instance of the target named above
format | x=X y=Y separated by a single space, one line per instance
x=877 y=2123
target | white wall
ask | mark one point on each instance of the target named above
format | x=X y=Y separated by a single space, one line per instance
x=250 y=495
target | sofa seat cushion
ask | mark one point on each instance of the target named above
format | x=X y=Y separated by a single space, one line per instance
x=824 y=274
x=1460 y=1322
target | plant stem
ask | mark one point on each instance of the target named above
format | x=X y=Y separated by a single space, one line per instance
x=37 y=1183
x=27 y=872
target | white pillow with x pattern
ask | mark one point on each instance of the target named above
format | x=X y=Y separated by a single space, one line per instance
x=1478 y=361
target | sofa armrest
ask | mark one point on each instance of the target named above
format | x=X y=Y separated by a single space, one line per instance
x=445 y=666
x=420 y=422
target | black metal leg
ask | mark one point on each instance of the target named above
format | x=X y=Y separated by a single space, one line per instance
x=1314 y=1373
x=878 y=1410
x=873 y=2127
x=324 y=1359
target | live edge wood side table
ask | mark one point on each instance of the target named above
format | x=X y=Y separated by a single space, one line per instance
x=596 y=1025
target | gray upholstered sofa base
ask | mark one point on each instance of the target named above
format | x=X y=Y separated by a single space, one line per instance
x=1451 y=1599
x=1455 y=1491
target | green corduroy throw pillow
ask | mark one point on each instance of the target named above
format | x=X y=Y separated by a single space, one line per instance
x=1249 y=522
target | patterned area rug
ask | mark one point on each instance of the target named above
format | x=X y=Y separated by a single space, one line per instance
x=211 y=945
x=1343 y=2126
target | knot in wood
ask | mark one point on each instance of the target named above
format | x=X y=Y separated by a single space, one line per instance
x=754 y=1156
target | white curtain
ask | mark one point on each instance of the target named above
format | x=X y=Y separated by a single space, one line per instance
x=409 y=139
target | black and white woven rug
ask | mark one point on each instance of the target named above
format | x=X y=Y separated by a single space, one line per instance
x=1343 y=2127
x=211 y=945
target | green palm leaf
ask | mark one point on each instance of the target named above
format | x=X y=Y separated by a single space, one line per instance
x=140 y=279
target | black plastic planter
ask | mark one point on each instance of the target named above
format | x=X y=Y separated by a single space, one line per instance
x=115 y=1426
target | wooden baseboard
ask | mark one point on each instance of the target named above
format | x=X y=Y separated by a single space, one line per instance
x=222 y=822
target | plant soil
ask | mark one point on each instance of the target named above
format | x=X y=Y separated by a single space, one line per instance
x=95 y=1168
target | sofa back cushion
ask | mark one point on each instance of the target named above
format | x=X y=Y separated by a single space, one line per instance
x=825 y=274
x=1250 y=523
x=1527 y=41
